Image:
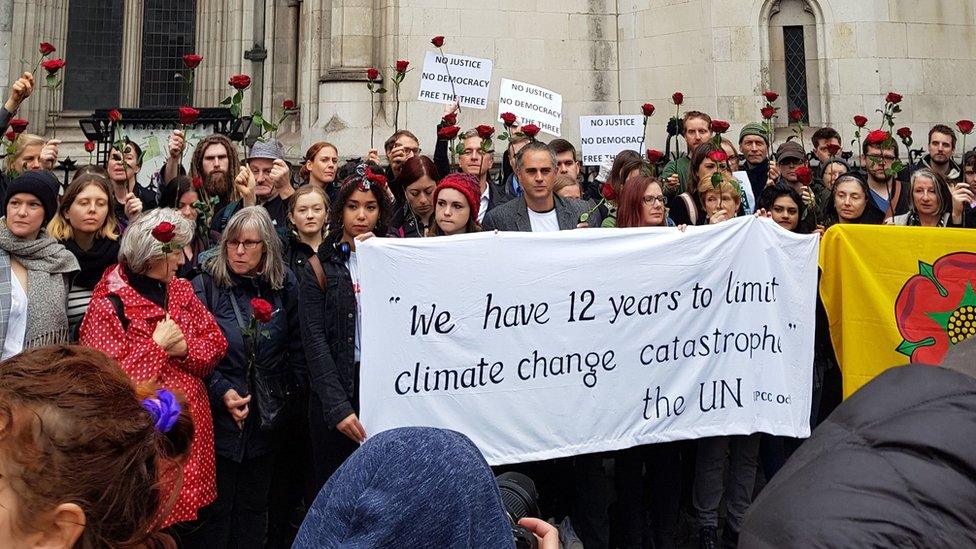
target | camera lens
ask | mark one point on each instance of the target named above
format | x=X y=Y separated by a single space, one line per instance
x=519 y=495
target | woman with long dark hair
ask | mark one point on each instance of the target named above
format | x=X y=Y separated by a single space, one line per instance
x=418 y=179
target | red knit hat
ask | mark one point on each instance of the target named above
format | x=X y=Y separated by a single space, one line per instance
x=465 y=184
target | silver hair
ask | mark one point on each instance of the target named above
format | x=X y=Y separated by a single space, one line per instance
x=139 y=247
x=272 y=268
x=937 y=181
x=530 y=147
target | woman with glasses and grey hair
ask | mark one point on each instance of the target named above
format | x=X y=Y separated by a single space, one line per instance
x=151 y=322
x=254 y=298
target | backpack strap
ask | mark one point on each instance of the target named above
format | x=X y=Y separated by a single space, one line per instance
x=692 y=209
x=116 y=302
x=319 y=272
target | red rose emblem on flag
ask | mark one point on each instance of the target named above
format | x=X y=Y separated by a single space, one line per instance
x=936 y=308
x=240 y=81
x=262 y=310
x=192 y=60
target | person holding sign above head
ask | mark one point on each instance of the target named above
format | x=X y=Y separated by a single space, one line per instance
x=456 y=205
x=538 y=209
x=330 y=320
x=696 y=129
x=418 y=178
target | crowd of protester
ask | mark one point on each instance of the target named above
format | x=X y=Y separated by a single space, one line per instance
x=274 y=403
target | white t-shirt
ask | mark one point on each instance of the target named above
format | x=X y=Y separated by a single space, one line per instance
x=17 y=321
x=544 y=222
x=353 y=267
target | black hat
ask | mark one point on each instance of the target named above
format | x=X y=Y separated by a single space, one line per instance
x=41 y=184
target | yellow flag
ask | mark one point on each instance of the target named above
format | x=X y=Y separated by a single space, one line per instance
x=896 y=295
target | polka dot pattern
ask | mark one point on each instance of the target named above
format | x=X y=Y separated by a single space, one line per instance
x=144 y=361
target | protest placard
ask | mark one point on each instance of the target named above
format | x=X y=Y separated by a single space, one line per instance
x=606 y=136
x=471 y=77
x=532 y=105
x=542 y=353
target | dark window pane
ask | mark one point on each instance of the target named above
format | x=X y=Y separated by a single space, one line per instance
x=94 y=54
x=796 y=70
x=168 y=33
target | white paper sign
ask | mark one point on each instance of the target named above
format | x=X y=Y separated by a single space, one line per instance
x=749 y=200
x=539 y=346
x=604 y=136
x=471 y=77
x=532 y=105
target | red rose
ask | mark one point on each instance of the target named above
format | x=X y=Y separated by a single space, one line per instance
x=437 y=41
x=52 y=66
x=401 y=66
x=18 y=125
x=904 y=133
x=530 y=130
x=718 y=156
x=47 y=48
x=262 y=310
x=114 y=115
x=192 y=60
x=197 y=182
x=508 y=118
x=893 y=97
x=188 y=116
x=860 y=121
x=450 y=119
x=165 y=232
x=720 y=126
x=372 y=74
x=647 y=109
x=240 y=81
x=10 y=135
x=677 y=98
x=770 y=95
x=804 y=174
x=965 y=126
x=768 y=112
x=654 y=156
x=374 y=177
x=485 y=131
x=796 y=115
x=448 y=132
x=833 y=149
x=607 y=191
x=288 y=105
x=877 y=137
x=89 y=146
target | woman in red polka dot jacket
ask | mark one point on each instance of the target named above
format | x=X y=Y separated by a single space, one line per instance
x=155 y=327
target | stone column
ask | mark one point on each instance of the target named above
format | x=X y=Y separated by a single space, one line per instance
x=223 y=33
x=131 y=53
x=34 y=22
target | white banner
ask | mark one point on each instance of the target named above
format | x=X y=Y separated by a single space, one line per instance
x=539 y=346
x=532 y=105
x=604 y=136
x=471 y=76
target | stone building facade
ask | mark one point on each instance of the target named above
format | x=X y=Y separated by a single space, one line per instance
x=831 y=58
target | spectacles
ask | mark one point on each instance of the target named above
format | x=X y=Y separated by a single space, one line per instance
x=248 y=244
x=412 y=150
x=879 y=158
x=662 y=200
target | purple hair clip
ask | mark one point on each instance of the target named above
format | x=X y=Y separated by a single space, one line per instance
x=164 y=409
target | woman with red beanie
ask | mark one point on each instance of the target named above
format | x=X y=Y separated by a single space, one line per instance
x=456 y=202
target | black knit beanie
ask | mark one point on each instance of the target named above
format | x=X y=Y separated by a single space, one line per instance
x=41 y=184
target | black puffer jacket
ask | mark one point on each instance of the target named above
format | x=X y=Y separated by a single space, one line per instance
x=893 y=466
x=329 y=335
x=278 y=351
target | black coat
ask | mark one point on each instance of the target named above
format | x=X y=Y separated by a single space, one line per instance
x=329 y=335
x=278 y=350
x=893 y=466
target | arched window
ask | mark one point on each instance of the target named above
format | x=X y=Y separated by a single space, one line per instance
x=794 y=57
x=94 y=53
x=168 y=32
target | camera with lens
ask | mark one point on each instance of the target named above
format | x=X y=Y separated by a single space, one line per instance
x=520 y=499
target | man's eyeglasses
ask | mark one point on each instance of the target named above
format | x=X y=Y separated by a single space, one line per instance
x=248 y=244
x=881 y=158
x=662 y=200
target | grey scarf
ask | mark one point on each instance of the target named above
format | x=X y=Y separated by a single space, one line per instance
x=48 y=265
